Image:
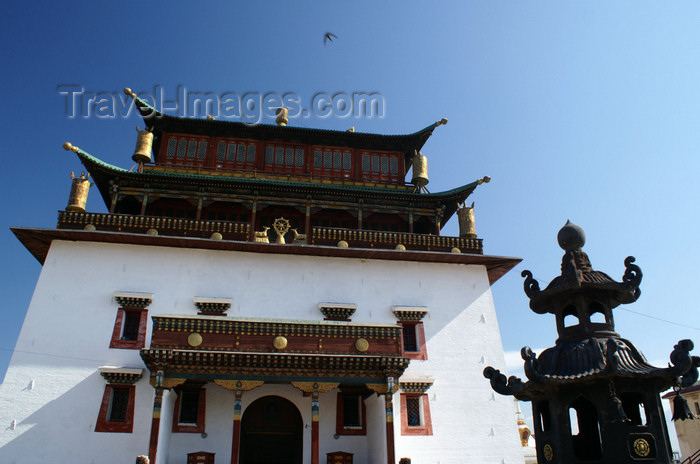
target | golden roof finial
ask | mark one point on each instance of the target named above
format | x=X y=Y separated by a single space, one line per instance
x=441 y=122
x=68 y=147
x=281 y=116
x=128 y=92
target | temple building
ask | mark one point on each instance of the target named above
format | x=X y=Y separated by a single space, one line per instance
x=595 y=398
x=259 y=294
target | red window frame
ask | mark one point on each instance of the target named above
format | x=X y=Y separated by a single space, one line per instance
x=232 y=160
x=199 y=427
x=372 y=166
x=202 y=148
x=103 y=423
x=334 y=162
x=285 y=157
x=118 y=331
x=340 y=428
x=426 y=427
x=422 y=352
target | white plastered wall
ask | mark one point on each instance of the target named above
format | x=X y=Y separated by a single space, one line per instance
x=69 y=324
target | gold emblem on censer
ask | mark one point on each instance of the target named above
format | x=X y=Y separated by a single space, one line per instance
x=548 y=452
x=641 y=447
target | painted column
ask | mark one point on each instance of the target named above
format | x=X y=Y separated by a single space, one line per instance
x=155 y=421
x=390 y=452
x=359 y=216
x=307 y=223
x=115 y=195
x=438 y=219
x=254 y=213
x=236 y=446
x=410 y=222
x=198 y=216
x=144 y=203
x=314 y=427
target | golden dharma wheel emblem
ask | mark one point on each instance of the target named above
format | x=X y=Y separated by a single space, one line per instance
x=641 y=447
x=361 y=345
x=280 y=342
x=194 y=339
x=548 y=452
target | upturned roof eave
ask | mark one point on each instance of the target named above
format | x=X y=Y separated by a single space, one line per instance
x=160 y=122
x=104 y=174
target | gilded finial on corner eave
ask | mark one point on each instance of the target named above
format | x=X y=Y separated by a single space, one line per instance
x=441 y=122
x=68 y=147
x=127 y=91
x=484 y=180
x=281 y=116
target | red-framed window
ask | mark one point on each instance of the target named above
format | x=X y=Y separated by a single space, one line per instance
x=117 y=409
x=129 y=331
x=284 y=157
x=185 y=150
x=189 y=412
x=236 y=154
x=350 y=418
x=413 y=340
x=333 y=162
x=415 y=414
x=381 y=166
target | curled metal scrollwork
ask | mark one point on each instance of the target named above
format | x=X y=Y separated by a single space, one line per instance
x=531 y=286
x=683 y=364
x=500 y=384
x=633 y=276
x=531 y=365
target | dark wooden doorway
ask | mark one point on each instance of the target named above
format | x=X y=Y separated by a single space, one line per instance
x=271 y=432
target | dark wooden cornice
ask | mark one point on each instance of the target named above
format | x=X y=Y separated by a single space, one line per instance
x=38 y=241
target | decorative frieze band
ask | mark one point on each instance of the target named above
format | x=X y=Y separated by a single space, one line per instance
x=337 y=311
x=242 y=385
x=120 y=375
x=212 y=306
x=382 y=388
x=310 y=387
x=133 y=300
x=409 y=313
x=416 y=386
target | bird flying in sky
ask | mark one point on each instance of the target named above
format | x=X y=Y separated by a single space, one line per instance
x=328 y=37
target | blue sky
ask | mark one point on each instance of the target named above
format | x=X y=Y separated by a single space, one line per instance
x=581 y=110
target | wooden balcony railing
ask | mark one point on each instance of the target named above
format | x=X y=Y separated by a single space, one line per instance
x=164 y=226
x=240 y=231
x=389 y=240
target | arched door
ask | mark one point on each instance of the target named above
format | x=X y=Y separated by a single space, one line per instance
x=271 y=432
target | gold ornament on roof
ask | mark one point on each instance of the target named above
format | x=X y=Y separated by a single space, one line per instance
x=261 y=236
x=281 y=226
x=420 y=171
x=144 y=145
x=281 y=116
x=78 y=192
x=465 y=215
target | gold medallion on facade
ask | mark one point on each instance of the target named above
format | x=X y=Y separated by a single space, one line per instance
x=641 y=447
x=194 y=339
x=280 y=342
x=548 y=452
x=361 y=345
